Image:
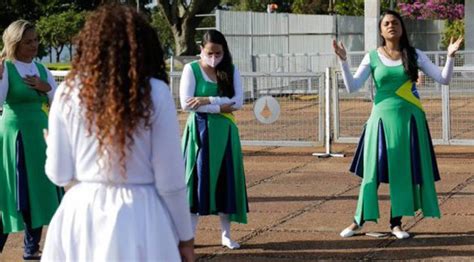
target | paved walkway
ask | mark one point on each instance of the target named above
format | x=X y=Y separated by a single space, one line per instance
x=300 y=203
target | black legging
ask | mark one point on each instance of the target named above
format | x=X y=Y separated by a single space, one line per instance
x=394 y=221
x=31 y=239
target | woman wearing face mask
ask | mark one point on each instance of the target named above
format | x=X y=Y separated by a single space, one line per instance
x=395 y=147
x=211 y=90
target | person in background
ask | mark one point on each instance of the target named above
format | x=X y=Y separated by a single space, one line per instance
x=211 y=90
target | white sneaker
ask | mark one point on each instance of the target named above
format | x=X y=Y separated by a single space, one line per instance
x=348 y=232
x=400 y=234
x=227 y=242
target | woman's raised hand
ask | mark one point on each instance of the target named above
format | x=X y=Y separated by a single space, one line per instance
x=340 y=50
x=454 y=45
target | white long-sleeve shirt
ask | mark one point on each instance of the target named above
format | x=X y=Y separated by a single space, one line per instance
x=154 y=158
x=24 y=69
x=354 y=82
x=187 y=88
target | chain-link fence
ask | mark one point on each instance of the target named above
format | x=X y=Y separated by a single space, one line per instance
x=300 y=97
x=449 y=109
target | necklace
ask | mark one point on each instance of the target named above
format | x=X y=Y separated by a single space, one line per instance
x=389 y=53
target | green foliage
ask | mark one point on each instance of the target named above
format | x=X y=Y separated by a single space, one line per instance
x=57 y=30
x=310 y=7
x=11 y=10
x=163 y=28
x=248 y=5
x=356 y=7
x=453 y=29
x=352 y=8
x=59 y=66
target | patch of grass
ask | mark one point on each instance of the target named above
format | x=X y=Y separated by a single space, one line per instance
x=59 y=66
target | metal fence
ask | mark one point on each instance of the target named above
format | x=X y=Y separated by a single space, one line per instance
x=449 y=109
x=318 y=62
x=301 y=100
x=251 y=34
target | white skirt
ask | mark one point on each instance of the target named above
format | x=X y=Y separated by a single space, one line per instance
x=103 y=222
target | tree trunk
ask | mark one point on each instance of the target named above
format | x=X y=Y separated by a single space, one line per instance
x=181 y=15
x=185 y=39
x=70 y=52
x=59 y=50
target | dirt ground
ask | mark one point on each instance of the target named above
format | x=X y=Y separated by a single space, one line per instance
x=299 y=203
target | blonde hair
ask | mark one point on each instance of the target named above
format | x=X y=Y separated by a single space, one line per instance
x=12 y=37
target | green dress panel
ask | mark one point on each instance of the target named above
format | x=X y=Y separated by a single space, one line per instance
x=25 y=113
x=222 y=130
x=395 y=107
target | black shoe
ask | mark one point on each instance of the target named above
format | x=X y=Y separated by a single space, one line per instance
x=34 y=256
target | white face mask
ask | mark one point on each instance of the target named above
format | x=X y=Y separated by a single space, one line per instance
x=212 y=60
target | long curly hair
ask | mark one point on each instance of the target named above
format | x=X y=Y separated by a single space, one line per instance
x=117 y=52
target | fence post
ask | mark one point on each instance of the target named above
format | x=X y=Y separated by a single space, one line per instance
x=437 y=63
x=218 y=20
x=253 y=90
x=321 y=88
x=446 y=114
x=327 y=134
x=171 y=75
x=335 y=105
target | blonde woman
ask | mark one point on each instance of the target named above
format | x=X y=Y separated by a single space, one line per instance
x=28 y=199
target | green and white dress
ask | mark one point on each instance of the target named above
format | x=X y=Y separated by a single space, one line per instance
x=24 y=186
x=212 y=151
x=395 y=146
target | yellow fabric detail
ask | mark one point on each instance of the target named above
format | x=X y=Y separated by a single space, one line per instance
x=405 y=92
x=229 y=116
x=45 y=108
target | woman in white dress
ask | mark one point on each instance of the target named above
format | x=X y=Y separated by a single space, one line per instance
x=114 y=130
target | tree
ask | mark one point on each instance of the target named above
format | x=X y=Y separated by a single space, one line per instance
x=453 y=29
x=181 y=15
x=356 y=7
x=310 y=7
x=432 y=9
x=247 y=5
x=452 y=11
x=351 y=8
x=163 y=29
x=57 y=30
x=11 y=10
